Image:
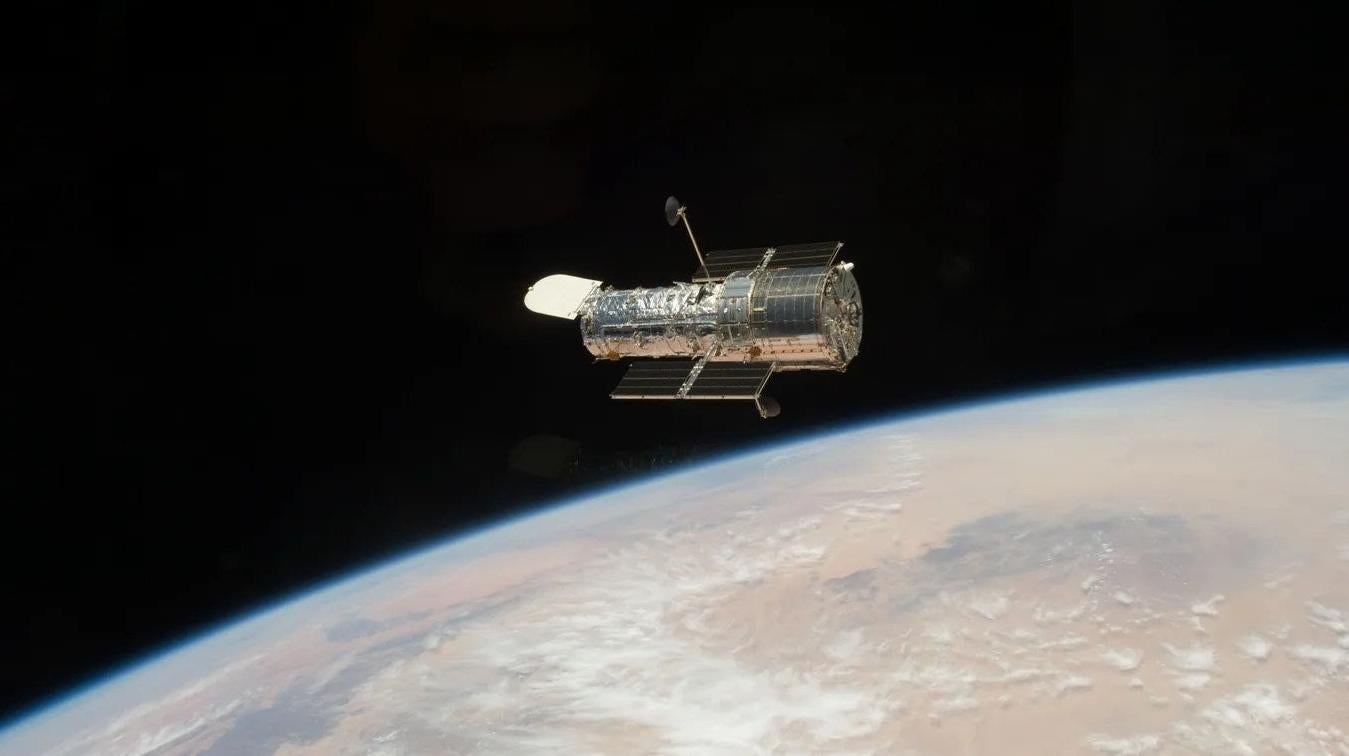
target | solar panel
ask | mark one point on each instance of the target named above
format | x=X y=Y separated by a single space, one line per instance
x=663 y=379
x=723 y=262
x=731 y=380
x=657 y=379
x=805 y=255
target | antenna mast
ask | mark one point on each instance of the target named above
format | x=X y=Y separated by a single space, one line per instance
x=674 y=213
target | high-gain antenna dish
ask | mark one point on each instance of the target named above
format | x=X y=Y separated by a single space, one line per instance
x=674 y=213
x=672 y=210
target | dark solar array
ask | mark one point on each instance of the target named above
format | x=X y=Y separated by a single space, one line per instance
x=805 y=255
x=659 y=378
x=740 y=380
x=723 y=262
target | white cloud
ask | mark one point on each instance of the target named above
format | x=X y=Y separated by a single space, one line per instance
x=1329 y=660
x=644 y=640
x=1133 y=746
x=1255 y=720
x=1193 y=682
x=1196 y=658
x=1328 y=617
x=1072 y=684
x=956 y=704
x=1208 y=608
x=1124 y=659
x=1255 y=647
x=989 y=606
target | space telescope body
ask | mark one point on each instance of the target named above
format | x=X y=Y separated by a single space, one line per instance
x=745 y=315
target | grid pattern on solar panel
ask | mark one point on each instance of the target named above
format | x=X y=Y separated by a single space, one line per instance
x=660 y=378
x=805 y=255
x=723 y=262
x=741 y=380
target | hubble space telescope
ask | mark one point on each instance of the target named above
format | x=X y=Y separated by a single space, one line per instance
x=746 y=314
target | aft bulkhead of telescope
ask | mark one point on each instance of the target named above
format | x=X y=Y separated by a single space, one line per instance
x=746 y=314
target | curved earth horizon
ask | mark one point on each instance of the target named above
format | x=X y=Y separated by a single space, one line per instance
x=1158 y=565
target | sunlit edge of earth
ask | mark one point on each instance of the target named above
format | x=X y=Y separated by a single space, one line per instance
x=373 y=568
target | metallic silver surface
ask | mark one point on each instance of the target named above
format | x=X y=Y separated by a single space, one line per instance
x=798 y=318
x=670 y=321
x=747 y=314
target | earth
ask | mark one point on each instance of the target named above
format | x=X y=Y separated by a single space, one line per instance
x=1156 y=566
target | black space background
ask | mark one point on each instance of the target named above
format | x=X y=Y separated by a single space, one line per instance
x=266 y=261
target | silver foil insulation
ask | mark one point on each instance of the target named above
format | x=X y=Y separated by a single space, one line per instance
x=799 y=318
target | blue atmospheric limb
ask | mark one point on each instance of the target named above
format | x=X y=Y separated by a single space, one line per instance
x=377 y=568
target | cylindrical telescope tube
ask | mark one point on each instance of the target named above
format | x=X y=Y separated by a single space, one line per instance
x=799 y=318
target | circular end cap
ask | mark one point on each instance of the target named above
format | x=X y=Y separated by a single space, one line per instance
x=842 y=310
x=769 y=406
x=672 y=208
